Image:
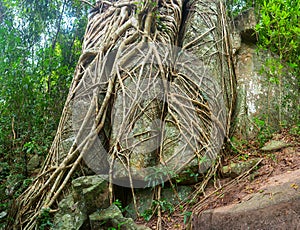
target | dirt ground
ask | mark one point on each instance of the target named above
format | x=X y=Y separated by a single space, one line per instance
x=225 y=191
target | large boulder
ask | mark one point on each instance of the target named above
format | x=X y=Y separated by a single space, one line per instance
x=92 y=192
x=87 y=207
x=161 y=125
x=71 y=215
x=262 y=103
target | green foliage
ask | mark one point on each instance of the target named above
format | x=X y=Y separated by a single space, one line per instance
x=29 y=147
x=264 y=131
x=295 y=130
x=44 y=220
x=118 y=203
x=158 y=176
x=165 y=205
x=192 y=174
x=244 y=157
x=273 y=157
x=105 y=224
x=147 y=214
x=278 y=31
x=111 y=228
x=118 y=228
x=139 y=6
x=186 y=216
x=40 y=42
x=237 y=144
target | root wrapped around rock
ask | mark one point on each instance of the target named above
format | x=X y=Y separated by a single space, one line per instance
x=153 y=95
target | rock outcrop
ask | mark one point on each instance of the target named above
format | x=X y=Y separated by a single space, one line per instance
x=262 y=103
x=275 y=206
x=87 y=207
x=87 y=195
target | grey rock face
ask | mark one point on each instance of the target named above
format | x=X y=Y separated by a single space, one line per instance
x=91 y=191
x=276 y=206
x=70 y=216
x=245 y=25
x=87 y=207
x=88 y=194
x=260 y=99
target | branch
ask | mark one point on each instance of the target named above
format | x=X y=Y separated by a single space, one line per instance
x=88 y=3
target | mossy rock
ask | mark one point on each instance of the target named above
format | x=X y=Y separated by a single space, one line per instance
x=112 y=218
x=238 y=168
x=92 y=191
x=274 y=145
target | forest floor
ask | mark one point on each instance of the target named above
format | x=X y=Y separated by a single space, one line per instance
x=223 y=191
x=233 y=190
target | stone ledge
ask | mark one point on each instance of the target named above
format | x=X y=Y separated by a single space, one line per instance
x=276 y=206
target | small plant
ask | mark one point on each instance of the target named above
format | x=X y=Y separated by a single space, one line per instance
x=118 y=203
x=295 y=130
x=264 y=132
x=244 y=157
x=44 y=220
x=29 y=147
x=139 y=6
x=158 y=176
x=186 y=216
x=118 y=228
x=165 y=205
x=192 y=174
x=181 y=207
x=237 y=144
x=147 y=214
x=273 y=157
